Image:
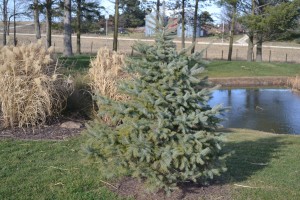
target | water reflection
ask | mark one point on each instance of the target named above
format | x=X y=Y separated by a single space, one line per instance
x=272 y=110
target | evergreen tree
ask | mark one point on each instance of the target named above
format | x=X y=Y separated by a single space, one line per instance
x=165 y=132
x=133 y=14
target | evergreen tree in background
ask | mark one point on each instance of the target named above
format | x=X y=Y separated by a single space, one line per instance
x=165 y=133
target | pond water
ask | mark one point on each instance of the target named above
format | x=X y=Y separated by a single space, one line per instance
x=271 y=110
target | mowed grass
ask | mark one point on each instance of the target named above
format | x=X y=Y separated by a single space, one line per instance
x=217 y=68
x=250 y=69
x=48 y=170
x=263 y=166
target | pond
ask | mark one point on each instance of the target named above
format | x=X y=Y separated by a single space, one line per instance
x=271 y=110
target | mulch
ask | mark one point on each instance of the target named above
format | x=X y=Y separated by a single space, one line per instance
x=131 y=187
x=51 y=131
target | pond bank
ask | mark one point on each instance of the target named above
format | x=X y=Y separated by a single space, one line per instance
x=263 y=81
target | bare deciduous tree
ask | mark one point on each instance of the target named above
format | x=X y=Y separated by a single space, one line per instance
x=183 y=24
x=48 y=6
x=231 y=33
x=4 y=20
x=116 y=26
x=195 y=25
x=78 y=27
x=67 y=29
x=37 y=26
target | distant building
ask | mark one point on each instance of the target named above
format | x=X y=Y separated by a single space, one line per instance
x=189 y=28
x=150 y=25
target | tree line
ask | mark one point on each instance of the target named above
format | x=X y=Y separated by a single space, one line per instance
x=262 y=20
x=73 y=13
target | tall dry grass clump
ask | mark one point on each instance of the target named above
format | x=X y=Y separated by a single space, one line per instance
x=105 y=72
x=294 y=83
x=31 y=90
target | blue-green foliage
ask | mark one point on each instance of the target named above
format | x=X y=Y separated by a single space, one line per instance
x=165 y=132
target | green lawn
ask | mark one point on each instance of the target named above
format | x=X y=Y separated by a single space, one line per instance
x=48 y=170
x=76 y=63
x=214 y=68
x=264 y=166
x=250 y=69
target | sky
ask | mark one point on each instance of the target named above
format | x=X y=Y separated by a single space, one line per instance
x=214 y=10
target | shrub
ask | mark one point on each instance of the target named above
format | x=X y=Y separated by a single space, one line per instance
x=165 y=133
x=31 y=90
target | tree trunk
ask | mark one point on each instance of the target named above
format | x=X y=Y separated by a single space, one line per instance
x=67 y=29
x=195 y=25
x=250 y=47
x=259 y=48
x=157 y=10
x=37 y=26
x=78 y=49
x=15 y=27
x=8 y=25
x=116 y=26
x=183 y=26
x=231 y=34
x=48 y=22
x=251 y=36
x=4 y=12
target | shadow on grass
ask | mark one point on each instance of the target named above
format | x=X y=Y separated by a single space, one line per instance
x=249 y=157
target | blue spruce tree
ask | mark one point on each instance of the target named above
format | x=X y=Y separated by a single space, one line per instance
x=165 y=132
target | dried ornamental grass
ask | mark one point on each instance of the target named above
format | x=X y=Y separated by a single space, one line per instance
x=294 y=83
x=31 y=90
x=105 y=71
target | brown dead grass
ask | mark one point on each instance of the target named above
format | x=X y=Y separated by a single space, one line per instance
x=92 y=45
x=294 y=83
x=106 y=69
x=31 y=90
